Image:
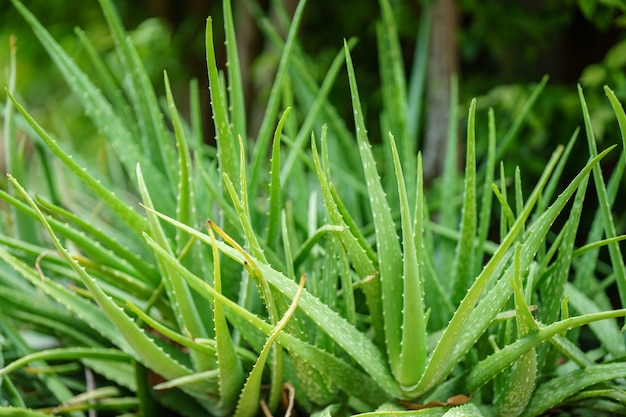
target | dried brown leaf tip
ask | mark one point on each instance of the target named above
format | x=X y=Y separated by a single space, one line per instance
x=452 y=401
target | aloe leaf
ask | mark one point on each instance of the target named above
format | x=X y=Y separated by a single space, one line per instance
x=20 y=412
x=100 y=112
x=156 y=143
x=393 y=88
x=464 y=256
x=142 y=345
x=186 y=207
x=68 y=354
x=586 y=265
x=185 y=309
x=615 y=254
x=618 y=109
x=275 y=198
x=417 y=81
x=272 y=304
x=355 y=343
x=413 y=347
x=310 y=243
x=389 y=253
x=241 y=204
x=264 y=136
x=235 y=84
x=344 y=375
x=449 y=189
x=515 y=128
x=229 y=367
x=558 y=389
x=21 y=228
x=52 y=382
x=247 y=406
x=107 y=82
x=394 y=412
x=494 y=300
x=556 y=176
x=82 y=308
x=465 y=410
x=362 y=263
x=207 y=346
x=96 y=244
x=319 y=105
x=122 y=209
x=607 y=332
x=494 y=364
x=486 y=203
x=223 y=131
x=470 y=321
x=520 y=383
x=553 y=287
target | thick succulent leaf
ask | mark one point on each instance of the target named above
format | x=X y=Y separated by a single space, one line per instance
x=469 y=322
x=413 y=347
x=557 y=390
x=498 y=361
x=387 y=242
x=144 y=347
x=101 y=113
x=345 y=376
x=355 y=343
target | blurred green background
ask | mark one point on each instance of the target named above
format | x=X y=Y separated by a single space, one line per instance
x=503 y=49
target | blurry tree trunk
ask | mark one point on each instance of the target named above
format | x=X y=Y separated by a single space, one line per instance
x=442 y=64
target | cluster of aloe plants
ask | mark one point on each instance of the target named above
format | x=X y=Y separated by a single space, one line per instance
x=281 y=271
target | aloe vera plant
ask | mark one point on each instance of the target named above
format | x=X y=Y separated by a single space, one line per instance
x=263 y=276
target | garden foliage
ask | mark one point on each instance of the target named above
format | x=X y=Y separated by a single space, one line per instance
x=301 y=267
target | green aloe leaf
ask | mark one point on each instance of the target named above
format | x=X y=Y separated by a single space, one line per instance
x=275 y=197
x=229 y=367
x=247 y=406
x=413 y=347
x=609 y=226
x=141 y=344
x=101 y=113
x=494 y=364
x=387 y=242
x=237 y=103
x=226 y=142
x=520 y=382
x=187 y=314
x=464 y=256
x=345 y=376
x=131 y=217
x=271 y=110
x=557 y=390
x=355 y=343
x=155 y=139
x=470 y=321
